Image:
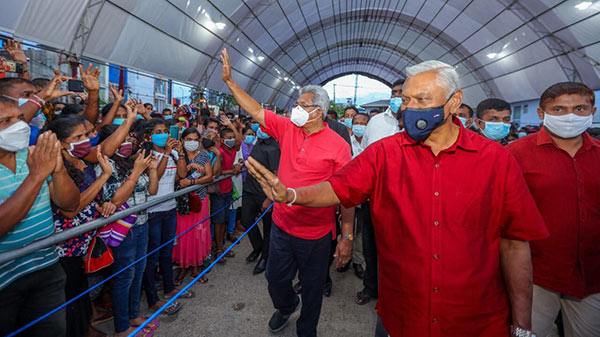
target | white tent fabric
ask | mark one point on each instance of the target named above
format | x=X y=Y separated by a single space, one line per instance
x=502 y=48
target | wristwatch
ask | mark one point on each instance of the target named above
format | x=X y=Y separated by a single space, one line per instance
x=520 y=332
x=348 y=237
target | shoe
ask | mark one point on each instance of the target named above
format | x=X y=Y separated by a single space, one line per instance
x=327 y=289
x=231 y=237
x=342 y=269
x=363 y=297
x=298 y=288
x=260 y=267
x=279 y=321
x=358 y=270
x=253 y=256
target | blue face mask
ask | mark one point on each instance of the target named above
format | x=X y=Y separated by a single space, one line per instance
x=496 y=130
x=359 y=130
x=419 y=123
x=261 y=134
x=168 y=117
x=348 y=123
x=522 y=134
x=139 y=117
x=255 y=127
x=463 y=121
x=249 y=139
x=395 y=104
x=118 y=121
x=160 y=139
x=94 y=140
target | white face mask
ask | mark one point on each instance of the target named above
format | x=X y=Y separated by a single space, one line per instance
x=191 y=145
x=567 y=126
x=300 y=116
x=15 y=137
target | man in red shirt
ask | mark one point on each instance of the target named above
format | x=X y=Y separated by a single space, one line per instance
x=453 y=253
x=561 y=164
x=311 y=153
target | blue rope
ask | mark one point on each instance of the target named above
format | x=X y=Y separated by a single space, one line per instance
x=169 y=302
x=53 y=311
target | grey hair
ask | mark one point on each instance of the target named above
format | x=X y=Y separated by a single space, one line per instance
x=207 y=132
x=320 y=99
x=447 y=74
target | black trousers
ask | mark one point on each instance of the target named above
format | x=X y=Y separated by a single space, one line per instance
x=79 y=313
x=308 y=258
x=370 y=252
x=32 y=296
x=251 y=205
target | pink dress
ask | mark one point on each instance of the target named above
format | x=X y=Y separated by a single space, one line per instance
x=193 y=247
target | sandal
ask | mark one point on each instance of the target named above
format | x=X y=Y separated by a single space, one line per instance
x=171 y=309
x=203 y=279
x=180 y=277
x=145 y=333
x=230 y=253
x=186 y=294
x=218 y=254
x=153 y=325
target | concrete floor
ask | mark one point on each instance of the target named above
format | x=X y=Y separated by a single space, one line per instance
x=235 y=303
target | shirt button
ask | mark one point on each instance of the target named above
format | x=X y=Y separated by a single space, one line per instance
x=435 y=289
x=436 y=194
x=437 y=165
x=435 y=320
x=437 y=223
x=436 y=256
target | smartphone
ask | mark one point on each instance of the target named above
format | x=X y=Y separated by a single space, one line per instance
x=75 y=85
x=12 y=67
x=174 y=131
x=146 y=149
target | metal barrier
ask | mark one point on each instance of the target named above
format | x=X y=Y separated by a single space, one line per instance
x=75 y=231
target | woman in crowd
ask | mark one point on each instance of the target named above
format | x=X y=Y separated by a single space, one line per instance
x=193 y=247
x=131 y=183
x=210 y=139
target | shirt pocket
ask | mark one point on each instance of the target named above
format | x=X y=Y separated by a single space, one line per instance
x=473 y=208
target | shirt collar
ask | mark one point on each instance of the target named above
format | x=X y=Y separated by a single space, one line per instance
x=463 y=141
x=325 y=126
x=544 y=138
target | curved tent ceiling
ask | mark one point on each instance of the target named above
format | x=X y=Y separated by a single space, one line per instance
x=501 y=48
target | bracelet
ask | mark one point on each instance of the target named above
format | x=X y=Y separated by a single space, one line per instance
x=35 y=102
x=295 y=195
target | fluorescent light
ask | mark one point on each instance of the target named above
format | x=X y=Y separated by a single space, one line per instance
x=220 y=25
x=492 y=55
x=251 y=50
x=260 y=58
x=583 y=5
x=285 y=78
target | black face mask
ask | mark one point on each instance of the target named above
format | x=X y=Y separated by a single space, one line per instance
x=207 y=143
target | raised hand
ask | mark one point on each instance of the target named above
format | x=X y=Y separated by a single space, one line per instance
x=171 y=144
x=90 y=77
x=52 y=91
x=130 y=107
x=103 y=162
x=15 y=50
x=83 y=96
x=225 y=121
x=271 y=185
x=142 y=163
x=117 y=94
x=226 y=75
x=42 y=157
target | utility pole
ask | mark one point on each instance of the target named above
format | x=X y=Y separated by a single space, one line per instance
x=334 y=93
x=355 y=87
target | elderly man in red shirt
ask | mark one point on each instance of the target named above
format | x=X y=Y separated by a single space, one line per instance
x=453 y=253
x=300 y=240
x=561 y=164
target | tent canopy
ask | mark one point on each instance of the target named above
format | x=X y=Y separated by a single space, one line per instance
x=501 y=48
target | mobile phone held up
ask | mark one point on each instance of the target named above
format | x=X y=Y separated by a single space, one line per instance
x=12 y=67
x=75 y=85
x=147 y=148
x=174 y=131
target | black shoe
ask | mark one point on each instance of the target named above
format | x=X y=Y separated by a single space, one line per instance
x=253 y=256
x=298 y=288
x=343 y=268
x=358 y=270
x=363 y=297
x=278 y=321
x=260 y=267
x=327 y=289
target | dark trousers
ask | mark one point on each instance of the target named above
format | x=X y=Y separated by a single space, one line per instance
x=290 y=255
x=79 y=313
x=32 y=296
x=370 y=252
x=251 y=205
x=161 y=228
x=380 y=329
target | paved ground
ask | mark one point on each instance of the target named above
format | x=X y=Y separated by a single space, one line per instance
x=236 y=303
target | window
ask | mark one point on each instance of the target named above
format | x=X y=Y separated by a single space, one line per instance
x=517 y=112
x=525 y=109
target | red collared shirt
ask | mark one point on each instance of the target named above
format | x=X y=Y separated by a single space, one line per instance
x=438 y=223
x=306 y=160
x=567 y=193
x=228 y=157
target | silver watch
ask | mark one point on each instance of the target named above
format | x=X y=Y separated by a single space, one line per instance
x=520 y=332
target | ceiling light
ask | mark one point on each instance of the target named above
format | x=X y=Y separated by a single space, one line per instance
x=260 y=58
x=506 y=45
x=492 y=55
x=583 y=5
x=220 y=25
x=251 y=50
x=285 y=78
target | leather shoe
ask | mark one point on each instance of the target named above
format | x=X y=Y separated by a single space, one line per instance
x=363 y=297
x=327 y=289
x=260 y=267
x=343 y=268
x=358 y=270
x=253 y=256
x=298 y=287
x=278 y=321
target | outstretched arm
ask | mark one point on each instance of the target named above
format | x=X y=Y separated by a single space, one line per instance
x=244 y=100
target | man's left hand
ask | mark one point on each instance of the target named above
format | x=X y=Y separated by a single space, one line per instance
x=343 y=251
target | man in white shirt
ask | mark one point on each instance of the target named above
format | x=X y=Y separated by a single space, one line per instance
x=386 y=124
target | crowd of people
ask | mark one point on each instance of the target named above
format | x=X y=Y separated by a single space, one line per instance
x=446 y=213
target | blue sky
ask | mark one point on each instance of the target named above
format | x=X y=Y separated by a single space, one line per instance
x=369 y=90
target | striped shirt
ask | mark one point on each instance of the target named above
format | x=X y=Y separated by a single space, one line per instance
x=35 y=225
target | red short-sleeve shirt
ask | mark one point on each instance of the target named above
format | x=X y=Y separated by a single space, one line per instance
x=228 y=157
x=438 y=222
x=305 y=160
x=567 y=192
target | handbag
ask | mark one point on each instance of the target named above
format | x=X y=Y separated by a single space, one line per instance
x=99 y=256
x=114 y=233
x=195 y=203
x=183 y=201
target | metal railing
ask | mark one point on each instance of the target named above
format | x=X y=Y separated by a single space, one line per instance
x=95 y=224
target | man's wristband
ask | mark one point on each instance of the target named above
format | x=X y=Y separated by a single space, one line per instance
x=295 y=196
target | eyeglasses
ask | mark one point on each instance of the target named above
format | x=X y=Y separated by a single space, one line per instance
x=304 y=106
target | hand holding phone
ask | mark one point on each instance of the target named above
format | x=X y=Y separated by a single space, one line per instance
x=75 y=85
x=174 y=132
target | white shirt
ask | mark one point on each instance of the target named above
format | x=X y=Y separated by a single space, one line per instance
x=357 y=147
x=380 y=126
x=166 y=184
